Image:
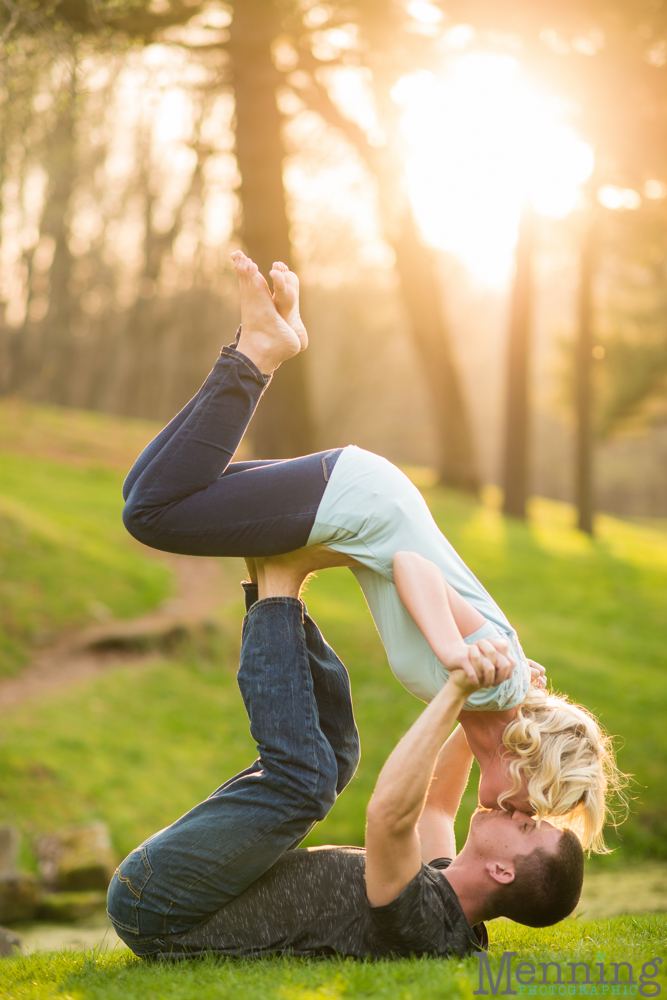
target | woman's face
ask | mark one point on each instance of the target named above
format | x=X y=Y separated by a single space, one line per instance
x=495 y=780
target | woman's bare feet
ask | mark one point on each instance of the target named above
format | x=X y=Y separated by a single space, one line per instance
x=266 y=338
x=286 y=298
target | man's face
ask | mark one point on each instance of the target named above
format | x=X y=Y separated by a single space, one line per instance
x=498 y=835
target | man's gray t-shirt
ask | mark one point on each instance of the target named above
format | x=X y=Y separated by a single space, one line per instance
x=313 y=902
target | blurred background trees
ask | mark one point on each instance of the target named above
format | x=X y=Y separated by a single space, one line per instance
x=139 y=143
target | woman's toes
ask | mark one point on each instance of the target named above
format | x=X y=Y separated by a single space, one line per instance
x=278 y=278
x=244 y=265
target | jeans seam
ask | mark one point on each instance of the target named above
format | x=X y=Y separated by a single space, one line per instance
x=254 y=520
x=119 y=923
x=226 y=352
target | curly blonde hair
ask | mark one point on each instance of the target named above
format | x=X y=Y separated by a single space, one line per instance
x=567 y=761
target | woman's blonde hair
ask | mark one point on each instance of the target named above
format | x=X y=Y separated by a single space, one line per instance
x=567 y=761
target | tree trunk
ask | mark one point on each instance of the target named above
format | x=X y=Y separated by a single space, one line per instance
x=583 y=378
x=422 y=297
x=42 y=352
x=415 y=264
x=282 y=426
x=58 y=346
x=517 y=429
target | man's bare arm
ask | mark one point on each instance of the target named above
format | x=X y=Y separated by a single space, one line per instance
x=393 y=849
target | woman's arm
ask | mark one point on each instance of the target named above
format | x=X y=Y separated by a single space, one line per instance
x=441 y=614
x=450 y=777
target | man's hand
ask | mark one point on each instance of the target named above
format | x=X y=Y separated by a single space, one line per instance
x=485 y=663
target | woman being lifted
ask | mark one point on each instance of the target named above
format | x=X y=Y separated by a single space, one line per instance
x=538 y=752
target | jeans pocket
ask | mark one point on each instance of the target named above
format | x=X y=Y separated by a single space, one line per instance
x=126 y=889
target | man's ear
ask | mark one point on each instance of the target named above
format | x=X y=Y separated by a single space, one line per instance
x=503 y=874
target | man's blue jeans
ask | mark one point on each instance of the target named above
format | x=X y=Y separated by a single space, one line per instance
x=297 y=694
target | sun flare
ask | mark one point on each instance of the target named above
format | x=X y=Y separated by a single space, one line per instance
x=481 y=140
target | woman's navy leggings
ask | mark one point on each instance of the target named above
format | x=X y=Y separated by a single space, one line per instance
x=184 y=493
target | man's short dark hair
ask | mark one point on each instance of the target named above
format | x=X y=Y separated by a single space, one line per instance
x=546 y=887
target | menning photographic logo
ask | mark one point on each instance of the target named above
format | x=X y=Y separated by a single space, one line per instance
x=536 y=979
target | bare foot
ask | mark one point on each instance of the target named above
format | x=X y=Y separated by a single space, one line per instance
x=285 y=575
x=286 y=298
x=266 y=338
x=280 y=576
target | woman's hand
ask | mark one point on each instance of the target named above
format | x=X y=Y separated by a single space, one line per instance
x=538 y=675
x=479 y=665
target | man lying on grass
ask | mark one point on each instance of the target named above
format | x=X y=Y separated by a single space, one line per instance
x=225 y=878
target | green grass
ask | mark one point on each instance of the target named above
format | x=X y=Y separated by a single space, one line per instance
x=72 y=976
x=140 y=744
x=156 y=739
x=65 y=558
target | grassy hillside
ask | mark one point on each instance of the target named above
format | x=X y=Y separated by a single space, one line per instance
x=157 y=739
x=65 y=558
x=137 y=745
x=591 y=610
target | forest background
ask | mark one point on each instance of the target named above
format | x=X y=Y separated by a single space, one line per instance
x=140 y=143
x=393 y=152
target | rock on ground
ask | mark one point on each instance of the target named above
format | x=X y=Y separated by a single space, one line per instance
x=20 y=898
x=9 y=849
x=10 y=943
x=78 y=859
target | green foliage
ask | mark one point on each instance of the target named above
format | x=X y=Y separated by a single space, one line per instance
x=65 y=556
x=94 y=976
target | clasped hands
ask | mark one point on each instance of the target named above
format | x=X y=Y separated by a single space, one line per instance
x=485 y=663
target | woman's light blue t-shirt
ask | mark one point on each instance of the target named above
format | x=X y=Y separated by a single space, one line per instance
x=370 y=510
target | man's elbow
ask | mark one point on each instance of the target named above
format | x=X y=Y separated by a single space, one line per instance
x=386 y=820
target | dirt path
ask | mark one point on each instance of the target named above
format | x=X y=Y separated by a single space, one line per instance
x=203 y=586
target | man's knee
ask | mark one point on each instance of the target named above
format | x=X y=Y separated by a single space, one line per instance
x=347 y=759
x=328 y=780
x=314 y=785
